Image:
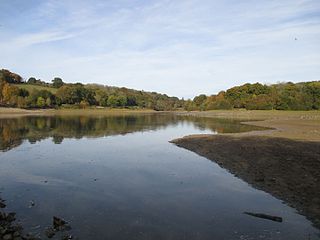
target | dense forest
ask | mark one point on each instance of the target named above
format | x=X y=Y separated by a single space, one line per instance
x=35 y=93
x=281 y=96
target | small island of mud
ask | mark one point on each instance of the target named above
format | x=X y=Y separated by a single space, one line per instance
x=287 y=169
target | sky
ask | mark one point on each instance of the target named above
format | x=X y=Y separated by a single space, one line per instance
x=179 y=47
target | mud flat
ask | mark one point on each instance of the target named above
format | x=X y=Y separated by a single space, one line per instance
x=297 y=125
x=287 y=169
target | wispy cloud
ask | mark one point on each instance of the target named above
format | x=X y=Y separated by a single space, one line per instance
x=179 y=47
x=28 y=40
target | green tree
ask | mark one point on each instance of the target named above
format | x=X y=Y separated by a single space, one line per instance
x=112 y=101
x=312 y=93
x=41 y=102
x=48 y=102
x=32 y=80
x=199 y=100
x=57 y=82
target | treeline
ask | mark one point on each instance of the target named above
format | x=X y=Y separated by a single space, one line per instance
x=282 y=96
x=35 y=93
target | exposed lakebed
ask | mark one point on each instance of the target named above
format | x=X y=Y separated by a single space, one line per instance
x=118 y=177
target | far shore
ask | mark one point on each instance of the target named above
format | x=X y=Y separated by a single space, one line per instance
x=18 y=112
x=297 y=125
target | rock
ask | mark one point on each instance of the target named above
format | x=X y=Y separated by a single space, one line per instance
x=11 y=217
x=67 y=237
x=30 y=237
x=2 y=204
x=50 y=232
x=3 y=216
x=7 y=237
x=2 y=230
x=58 y=223
x=32 y=204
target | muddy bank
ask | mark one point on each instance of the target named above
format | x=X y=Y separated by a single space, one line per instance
x=287 y=169
x=296 y=125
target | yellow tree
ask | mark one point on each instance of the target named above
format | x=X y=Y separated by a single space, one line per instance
x=9 y=93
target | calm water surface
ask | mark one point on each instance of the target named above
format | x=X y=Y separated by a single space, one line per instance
x=120 y=178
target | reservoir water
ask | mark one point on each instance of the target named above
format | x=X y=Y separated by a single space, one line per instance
x=119 y=177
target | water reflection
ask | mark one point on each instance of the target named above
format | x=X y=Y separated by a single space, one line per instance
x=132 y=186
x=14 y=130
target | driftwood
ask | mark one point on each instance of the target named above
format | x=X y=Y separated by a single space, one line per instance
x=265 y=216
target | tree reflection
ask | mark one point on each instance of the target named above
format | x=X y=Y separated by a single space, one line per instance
x=14 y=131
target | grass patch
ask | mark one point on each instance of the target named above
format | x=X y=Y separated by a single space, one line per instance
x=31 y=87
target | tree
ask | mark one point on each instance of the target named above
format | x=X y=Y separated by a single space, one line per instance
x=21 y=103
x=199 y=101
x=23 y=92
x=32 y=80
x=48 y=102
x=260 y=102
x=83 y=104
x=101 y=97
x=10 y=77
x=2 y=84
x=112 y=101
x=312 y=92
x=41 y=102
x=9 y=94
x=57 y=82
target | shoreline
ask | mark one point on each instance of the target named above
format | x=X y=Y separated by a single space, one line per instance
x=283 y=161
x=295 y=125
x=18 y=112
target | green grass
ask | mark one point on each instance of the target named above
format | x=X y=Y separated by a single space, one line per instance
x=31 y=87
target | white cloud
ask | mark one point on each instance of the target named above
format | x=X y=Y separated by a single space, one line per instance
x=181 y=48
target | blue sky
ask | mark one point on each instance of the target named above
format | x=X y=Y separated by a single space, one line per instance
x=178 y=47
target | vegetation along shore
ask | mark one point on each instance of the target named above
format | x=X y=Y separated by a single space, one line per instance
x=15 y=91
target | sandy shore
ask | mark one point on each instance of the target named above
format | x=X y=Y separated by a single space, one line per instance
x=284 y=161
x=297 y=125
x=18 y=112
x=15 y=112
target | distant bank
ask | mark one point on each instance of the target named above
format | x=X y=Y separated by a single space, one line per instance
x=36 y=93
